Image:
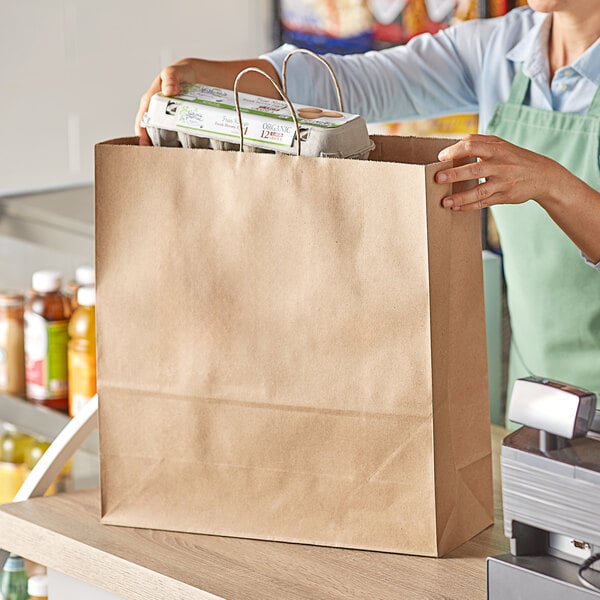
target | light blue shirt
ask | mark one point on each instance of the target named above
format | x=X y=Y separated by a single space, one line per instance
x=468 y=68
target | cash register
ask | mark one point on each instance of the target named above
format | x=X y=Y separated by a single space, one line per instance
x=551 y=496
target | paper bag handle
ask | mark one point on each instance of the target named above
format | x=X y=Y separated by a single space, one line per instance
x=321 y=60
x=281 y=93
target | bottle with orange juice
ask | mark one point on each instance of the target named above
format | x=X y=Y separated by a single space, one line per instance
x=85 y=275
x=82 y=350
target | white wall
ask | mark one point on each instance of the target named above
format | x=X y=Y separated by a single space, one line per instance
x=72 y=73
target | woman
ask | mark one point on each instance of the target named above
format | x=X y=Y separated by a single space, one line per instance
x=533 y=77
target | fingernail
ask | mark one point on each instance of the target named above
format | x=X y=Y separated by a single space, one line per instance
x=169 y=91
x=447 y=202
x=442 y=177
x=442 y=155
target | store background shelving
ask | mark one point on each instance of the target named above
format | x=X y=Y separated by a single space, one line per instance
x=47 y=230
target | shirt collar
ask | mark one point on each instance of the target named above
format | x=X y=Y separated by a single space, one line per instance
x=588 y=64
x=532 y=51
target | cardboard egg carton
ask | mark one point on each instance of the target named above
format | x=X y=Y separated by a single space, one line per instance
x=204 y=116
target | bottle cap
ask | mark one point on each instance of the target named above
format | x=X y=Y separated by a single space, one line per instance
x=11 y=298
x=46 y=281
x=85 y=275
x=37 y=585
x=86 y=296
x=14 y=563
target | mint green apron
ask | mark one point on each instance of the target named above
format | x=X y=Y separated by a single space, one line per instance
x=553 y=296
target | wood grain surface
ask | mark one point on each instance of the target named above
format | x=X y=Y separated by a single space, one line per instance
x=64 y=533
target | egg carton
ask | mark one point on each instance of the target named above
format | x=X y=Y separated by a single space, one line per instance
x=204 y=116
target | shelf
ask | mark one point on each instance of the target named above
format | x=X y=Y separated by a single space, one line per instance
x=61 y=219
x=37 y=420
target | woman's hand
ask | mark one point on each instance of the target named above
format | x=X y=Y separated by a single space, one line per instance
x=514 y=175
x=169 y=83
x=511 y=174
x=218 y=73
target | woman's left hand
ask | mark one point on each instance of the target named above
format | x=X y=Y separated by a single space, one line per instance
x=511 y=174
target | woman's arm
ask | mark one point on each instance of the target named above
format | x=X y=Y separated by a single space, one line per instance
x=514 y=175
x=432 y=75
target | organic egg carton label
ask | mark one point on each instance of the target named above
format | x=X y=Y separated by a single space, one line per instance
x=208 y=110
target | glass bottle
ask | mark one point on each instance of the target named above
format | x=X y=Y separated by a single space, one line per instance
x=12 y=347
x=13 y=446
x=85 y=275
x=82 y=350
x=13 y=580
x=46 y=319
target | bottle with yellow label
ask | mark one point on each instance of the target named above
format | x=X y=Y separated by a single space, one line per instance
x=82 y=350
x=13 y=446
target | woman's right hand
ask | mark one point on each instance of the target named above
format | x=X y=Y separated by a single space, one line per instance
x=168 y=83
x=218 y=73
x=196 y=70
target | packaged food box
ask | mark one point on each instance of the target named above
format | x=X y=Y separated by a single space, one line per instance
x=204 y=116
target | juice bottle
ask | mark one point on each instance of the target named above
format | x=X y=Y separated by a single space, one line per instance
x=13 y=445
x=12 y=349
x=82 y=350
x=13 y=580
x=46 y=319
x=84 y=275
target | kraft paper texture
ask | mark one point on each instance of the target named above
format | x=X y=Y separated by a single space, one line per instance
x=291 y=348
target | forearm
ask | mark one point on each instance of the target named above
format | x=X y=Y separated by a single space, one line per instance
x=223 y=73
x=575 y=208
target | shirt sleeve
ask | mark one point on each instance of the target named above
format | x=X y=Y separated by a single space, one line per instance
x=432 y=75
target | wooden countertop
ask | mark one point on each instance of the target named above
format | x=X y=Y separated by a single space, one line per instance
x=64 y=533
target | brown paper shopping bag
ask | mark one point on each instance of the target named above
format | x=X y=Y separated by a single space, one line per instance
x=291 y=348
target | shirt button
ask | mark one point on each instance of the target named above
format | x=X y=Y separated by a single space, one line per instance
x=568 y=72
x=562 y=87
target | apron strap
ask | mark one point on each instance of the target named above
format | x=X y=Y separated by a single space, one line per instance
x=594 y=108
x=519 y=88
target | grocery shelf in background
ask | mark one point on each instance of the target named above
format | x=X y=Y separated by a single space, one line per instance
x=347 y=26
